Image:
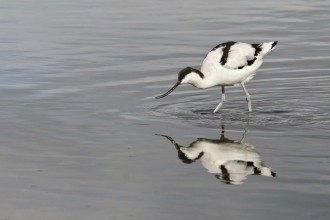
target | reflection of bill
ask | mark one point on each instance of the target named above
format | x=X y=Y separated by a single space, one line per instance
x=231 y=161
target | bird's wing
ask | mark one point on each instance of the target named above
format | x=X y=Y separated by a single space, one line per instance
x=237 y=55
x=230 y=55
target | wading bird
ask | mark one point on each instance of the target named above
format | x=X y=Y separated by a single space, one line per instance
x=227 y=64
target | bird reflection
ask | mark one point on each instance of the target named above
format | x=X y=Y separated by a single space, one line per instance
x=229 y=160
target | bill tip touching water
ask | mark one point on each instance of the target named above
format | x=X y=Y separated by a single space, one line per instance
x=227 y=64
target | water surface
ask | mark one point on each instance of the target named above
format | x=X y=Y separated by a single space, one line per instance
x=79 y=118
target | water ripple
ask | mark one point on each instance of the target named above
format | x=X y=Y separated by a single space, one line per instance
x=265 y=112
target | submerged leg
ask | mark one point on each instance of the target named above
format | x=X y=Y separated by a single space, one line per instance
x=223 y=99
x=247 y=97
x=222 y=130
x=246 y=128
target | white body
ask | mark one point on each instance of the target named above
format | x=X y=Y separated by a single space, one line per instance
x=217 y=74
x=233 y=155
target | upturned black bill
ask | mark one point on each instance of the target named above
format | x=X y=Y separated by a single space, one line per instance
x=169 y=91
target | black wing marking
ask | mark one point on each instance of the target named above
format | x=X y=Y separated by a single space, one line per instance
x=258 y=48
x=226 y=48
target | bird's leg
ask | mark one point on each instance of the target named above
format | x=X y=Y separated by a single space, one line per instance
x=246 y=128
x=248 y=99
x=223 y=99
x=222 y=130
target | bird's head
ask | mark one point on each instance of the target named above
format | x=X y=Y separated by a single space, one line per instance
x=187 y=75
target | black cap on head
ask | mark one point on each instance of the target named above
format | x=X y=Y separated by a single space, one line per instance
x=185 y=71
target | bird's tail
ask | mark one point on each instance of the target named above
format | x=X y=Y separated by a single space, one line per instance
x=273 y=46
x=264 y=48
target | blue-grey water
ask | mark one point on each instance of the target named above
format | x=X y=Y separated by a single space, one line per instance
x=78 y=116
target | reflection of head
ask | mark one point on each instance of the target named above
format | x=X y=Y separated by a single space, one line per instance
x=182 y=156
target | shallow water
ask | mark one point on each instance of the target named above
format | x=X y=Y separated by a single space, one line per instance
x=79 y=118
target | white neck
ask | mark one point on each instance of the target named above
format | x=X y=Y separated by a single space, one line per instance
x=196 y=80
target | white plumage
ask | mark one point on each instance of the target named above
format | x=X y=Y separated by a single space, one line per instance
x=238 y=55
x=229 y=160
x=226 y=64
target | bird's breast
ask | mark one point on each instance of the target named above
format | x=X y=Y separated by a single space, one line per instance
x=227 y=77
